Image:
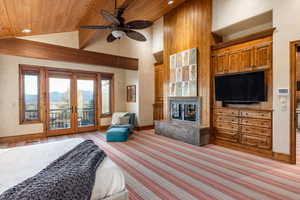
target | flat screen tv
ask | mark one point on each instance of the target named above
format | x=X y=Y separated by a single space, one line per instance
x=241 y=88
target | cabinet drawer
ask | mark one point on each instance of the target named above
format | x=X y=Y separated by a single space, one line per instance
x=226 y=126
x=230 y=112
x=226 y=135
x=263 y=142
x=256 y=122
x=256 y=130
x=256 y=114
x=226 y=119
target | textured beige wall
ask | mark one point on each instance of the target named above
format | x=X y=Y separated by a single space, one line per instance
x=228 y=12
x=286 y=20
x=158 y=35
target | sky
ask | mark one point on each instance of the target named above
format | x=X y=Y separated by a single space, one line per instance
x=55 y=84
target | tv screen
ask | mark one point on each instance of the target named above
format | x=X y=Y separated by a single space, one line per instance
x=241 y=88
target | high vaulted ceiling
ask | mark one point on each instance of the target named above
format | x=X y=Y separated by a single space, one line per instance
x=41 y=16
x=54 y=16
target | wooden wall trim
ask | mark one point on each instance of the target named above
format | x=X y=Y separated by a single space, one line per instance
x=293 y=100
x=266 y=154
x=283 y=158
x=21 y=138
x=248 y=38
x=39 y=50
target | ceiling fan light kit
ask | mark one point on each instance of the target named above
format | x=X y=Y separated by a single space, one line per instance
x=121 y=29
x=118 y=34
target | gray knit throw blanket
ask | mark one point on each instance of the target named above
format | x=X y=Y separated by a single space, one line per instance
x=70 y=177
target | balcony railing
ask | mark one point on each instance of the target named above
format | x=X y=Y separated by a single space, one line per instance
x=31 y=115
x=60 y=118
x=85 y=117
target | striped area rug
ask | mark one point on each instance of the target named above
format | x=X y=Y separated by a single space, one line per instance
x=157 y=167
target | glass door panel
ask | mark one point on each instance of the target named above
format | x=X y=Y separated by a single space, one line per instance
x=105 y=91
x=60 y=104
x=86 y=110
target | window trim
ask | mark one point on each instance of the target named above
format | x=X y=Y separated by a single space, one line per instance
x=24 y=70
x=110 y=77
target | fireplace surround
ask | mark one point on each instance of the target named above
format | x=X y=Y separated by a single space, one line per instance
x=184 y=121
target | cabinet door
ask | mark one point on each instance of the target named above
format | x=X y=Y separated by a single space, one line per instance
x=227 y=135
x=247 y=59
x=159 y=81
x=215 y=65
x=221 y=63
x=234 y=62
x=263 y=142
x=263 y=56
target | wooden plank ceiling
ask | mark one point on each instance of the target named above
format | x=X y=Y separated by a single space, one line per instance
x=41 y=16
x=54 y=16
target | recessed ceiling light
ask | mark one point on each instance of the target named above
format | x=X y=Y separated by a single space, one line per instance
x=26 y=31
x=170 y=2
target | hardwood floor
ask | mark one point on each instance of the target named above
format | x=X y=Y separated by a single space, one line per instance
x=157 y=167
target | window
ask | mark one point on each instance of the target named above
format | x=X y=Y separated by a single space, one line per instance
x=106 y=94
x=30 y=96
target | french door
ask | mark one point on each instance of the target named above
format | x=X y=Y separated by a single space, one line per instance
x=71 y=102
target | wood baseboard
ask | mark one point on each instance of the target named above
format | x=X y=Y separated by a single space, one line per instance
x=283 y=157
x=21 y=138
x=103 y=128
x=144 y=128
x=263 y=153
x=242 y=148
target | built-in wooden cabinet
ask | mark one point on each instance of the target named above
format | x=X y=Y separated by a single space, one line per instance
x=244 y=59
x=246 y=127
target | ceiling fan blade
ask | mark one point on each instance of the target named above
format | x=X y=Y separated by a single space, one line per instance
x=139 y=24
x=110 y=38
x=109 y=17
x=96 y=27
x=136 y=36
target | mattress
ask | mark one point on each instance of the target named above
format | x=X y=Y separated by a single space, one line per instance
x=18 y=164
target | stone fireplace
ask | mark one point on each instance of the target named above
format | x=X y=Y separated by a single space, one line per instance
x=184 y=121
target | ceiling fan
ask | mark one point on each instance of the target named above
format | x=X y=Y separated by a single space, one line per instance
x=118 y=26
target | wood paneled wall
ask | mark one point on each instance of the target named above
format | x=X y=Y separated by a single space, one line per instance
x=189 y=26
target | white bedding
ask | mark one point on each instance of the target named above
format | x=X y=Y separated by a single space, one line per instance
x=18 y=164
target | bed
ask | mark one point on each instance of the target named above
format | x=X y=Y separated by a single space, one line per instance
x=18 y=164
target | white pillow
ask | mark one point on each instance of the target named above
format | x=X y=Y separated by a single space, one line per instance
x=116 y=117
